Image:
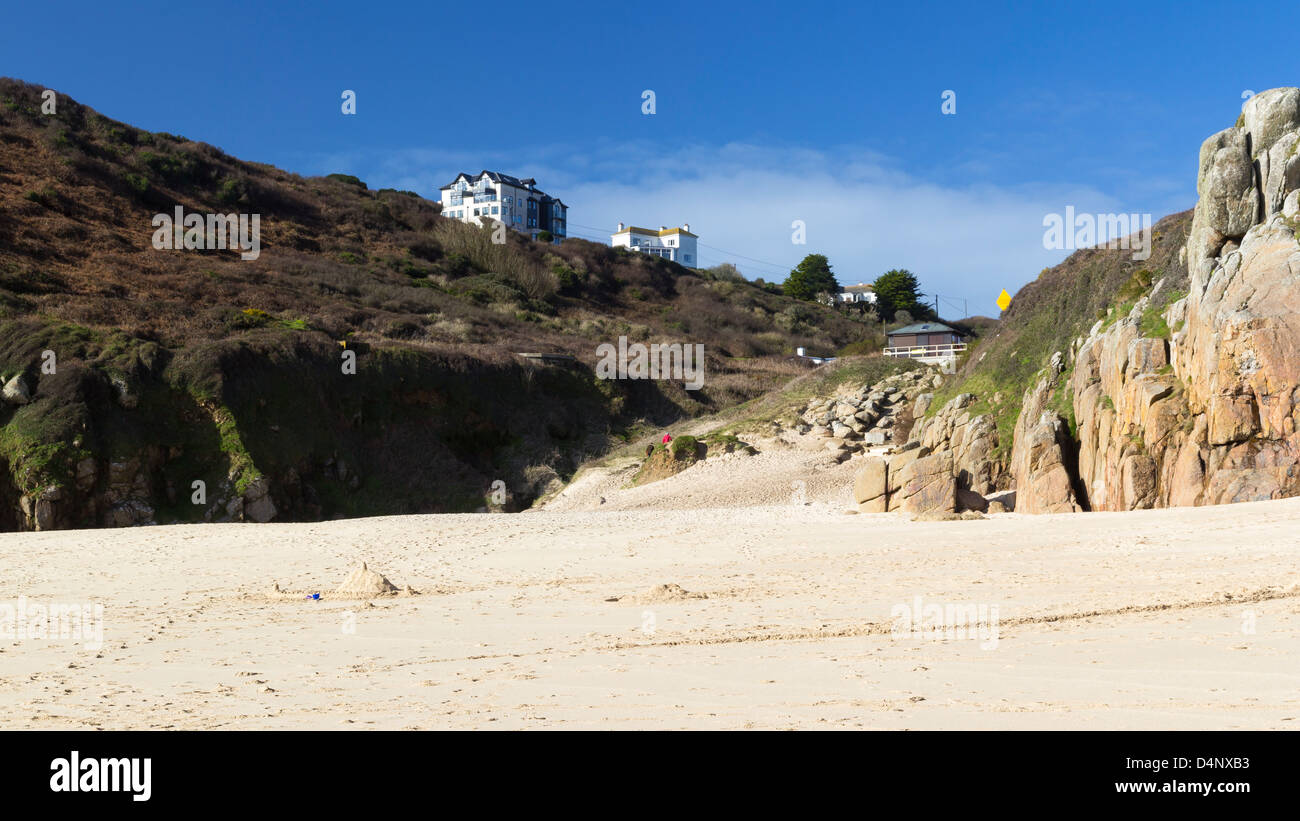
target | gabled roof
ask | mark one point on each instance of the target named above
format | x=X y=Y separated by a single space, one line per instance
x=926 y=328
x=632 y=229
x=495 y=176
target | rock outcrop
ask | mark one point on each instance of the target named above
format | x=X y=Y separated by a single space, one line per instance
x=912 y=480
x=1174 y=398
x=1043 y=454
x=971 y=441
x=871 y=485
x=869 y=415
x=16 y=392
x=927 y=485
x=1209 y=415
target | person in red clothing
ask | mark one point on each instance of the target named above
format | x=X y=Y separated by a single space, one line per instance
x=667 y=438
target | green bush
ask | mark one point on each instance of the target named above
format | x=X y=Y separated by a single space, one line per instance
x=175 y=168
x=685 y=447
x=232 y=191
x=138 y=183
x=569 y=280
x=46 y=196
x=346 y=178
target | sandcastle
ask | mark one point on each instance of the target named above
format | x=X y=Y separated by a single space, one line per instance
x=364 y=582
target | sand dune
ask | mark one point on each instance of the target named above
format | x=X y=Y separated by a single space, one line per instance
x=1185 y=618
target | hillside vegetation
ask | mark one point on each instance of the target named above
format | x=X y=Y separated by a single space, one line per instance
x=1051 y=313
x=180 y=366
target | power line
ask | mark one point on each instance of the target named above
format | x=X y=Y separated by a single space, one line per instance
x=952 y=301
x=965 y=305
x=751 y=259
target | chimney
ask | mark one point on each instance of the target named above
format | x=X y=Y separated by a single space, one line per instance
x=663 y=228
x=620 y=226
x=686 y=226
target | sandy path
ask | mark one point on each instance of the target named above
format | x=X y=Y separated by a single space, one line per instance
x=1104 y=621
x=781 y=473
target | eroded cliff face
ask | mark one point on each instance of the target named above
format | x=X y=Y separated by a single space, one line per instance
x=1132 y=417
x=1178 y=398
x=1043 y=456
x=1209 y=415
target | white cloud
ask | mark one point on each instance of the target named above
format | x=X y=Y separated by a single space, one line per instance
x=861 y=210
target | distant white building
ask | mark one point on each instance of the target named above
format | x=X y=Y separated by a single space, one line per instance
x=861 y=292
x=517 y=203
x=676 y=244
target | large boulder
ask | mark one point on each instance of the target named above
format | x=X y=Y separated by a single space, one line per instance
x=16 y=392
x=258 y=506
x=927 y=485
x=1229 y=199
x=1044 y=480
x=1138 y=481
x=1271 y=116
x=870 y=485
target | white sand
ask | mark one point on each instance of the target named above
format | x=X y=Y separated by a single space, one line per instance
x=1109 y=620
x=783 y=472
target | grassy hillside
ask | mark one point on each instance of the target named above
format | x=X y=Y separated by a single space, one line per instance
x=1048 y=314
x=196 y=364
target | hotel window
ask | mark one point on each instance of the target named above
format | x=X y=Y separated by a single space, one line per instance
x=496 y=210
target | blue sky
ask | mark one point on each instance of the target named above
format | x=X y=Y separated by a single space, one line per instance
x=766 y=113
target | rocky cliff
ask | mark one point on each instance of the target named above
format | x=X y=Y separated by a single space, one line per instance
x=1186 y=389
x=1199 y=406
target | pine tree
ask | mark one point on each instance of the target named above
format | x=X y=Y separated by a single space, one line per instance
x=811 y=277
x=899 y=290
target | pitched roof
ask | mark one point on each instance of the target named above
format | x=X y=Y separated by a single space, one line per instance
x=496 y=176
x=926 y=328
x=651 y=232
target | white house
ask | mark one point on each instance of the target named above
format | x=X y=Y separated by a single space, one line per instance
x=861 y=292
x=517 y=203
x=677 y=244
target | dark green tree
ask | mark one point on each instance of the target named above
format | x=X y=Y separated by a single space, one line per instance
x=899 y=290
x=811 y=277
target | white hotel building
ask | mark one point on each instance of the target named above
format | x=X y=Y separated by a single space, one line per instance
x=676 y=244
x=517 y=203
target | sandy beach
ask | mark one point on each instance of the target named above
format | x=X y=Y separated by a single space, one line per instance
x=1162 y=619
